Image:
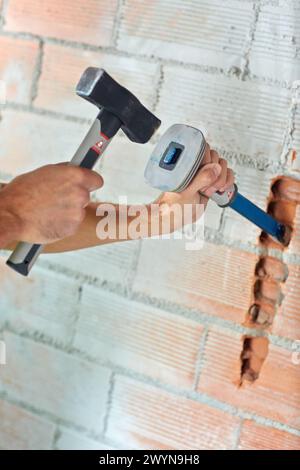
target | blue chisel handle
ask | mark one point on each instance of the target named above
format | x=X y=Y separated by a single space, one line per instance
x=232 y=198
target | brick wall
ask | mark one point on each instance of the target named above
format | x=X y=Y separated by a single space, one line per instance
x=146 y=345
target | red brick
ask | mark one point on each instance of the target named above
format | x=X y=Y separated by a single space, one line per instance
x=287 y=319
x=17 y=63
x=129 y=183
x=216 y=279
x=88 y=21
x=257 y=437
x=275 y=395
x=287 y=188
x=48 y=379
x=270 y=46
x=57 y=84
x=139 y=337
x=294 y=246
x=35 y=304
x=21 y=430
x=149 y=418
x=48 y=140
x=211 y=33
x=206 y=100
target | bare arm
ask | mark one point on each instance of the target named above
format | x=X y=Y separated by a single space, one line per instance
x=148 y=219
x=46 y=204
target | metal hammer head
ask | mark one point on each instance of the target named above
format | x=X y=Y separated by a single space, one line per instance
x=98 y=87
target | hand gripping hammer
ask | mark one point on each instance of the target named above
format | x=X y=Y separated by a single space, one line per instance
x=119 y=109
x=176 y=159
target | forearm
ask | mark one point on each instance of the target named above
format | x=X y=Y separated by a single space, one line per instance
x=117 y=223
x=108 y=223
x=8 y=230
x=89 y=234
x=9 y=224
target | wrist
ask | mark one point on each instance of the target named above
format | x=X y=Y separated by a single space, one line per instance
x=10 y=224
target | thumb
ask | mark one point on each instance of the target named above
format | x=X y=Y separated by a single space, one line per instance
x=206 y=177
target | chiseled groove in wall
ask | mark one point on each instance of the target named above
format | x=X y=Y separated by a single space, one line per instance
x=268 y=274
x=37 y=72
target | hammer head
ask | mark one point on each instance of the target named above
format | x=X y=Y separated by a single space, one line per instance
x=98 y=87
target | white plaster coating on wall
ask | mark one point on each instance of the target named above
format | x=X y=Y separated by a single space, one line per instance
x=226 y=67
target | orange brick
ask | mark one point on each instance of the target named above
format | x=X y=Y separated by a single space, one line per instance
x=57 y=84
x=295 y=241
x=88 y=21
x=257 y=437
x=139 y=337
x=48 y=379
x=276 y=393
x=211 y=33
x=21 y=430
x=287 y=319
x=287 y=188
x=48 y=140
x=149 y=418
x=35 y=303
x=17 y=63
x=215 y=279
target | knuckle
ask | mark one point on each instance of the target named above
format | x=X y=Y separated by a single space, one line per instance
x=95 y=180
x=75 y=173
x=214 y=156
x=83 y=196
x=223 y=162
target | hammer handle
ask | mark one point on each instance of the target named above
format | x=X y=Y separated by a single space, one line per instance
x=93 y=146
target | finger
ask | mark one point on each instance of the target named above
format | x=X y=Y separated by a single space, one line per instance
x=207 y=156
x=214 y=156
x=91 y=180
x=221 y=181
x=229 y=180
x=205 y=177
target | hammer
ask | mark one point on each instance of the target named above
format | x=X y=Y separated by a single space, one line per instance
x=119 y=109
x=176 y=159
